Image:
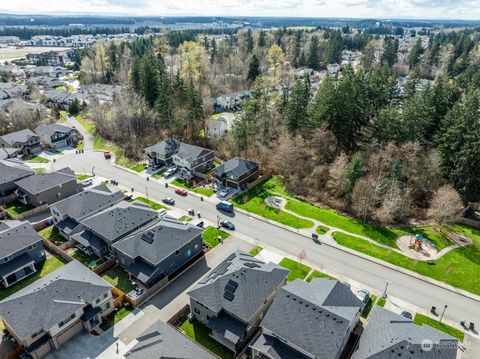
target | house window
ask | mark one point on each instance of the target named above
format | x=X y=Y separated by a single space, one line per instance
x=34 y=245
x=208 y=317
x=189 y=252
x=59 y=194
x=98 y=300
x=105 y=295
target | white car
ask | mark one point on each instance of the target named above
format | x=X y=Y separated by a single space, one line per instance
x=87 y=182
x=224 y=192
x=363 y=295
x=170 y=172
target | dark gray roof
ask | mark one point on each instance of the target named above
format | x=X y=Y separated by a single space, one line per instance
x=11 y=171
x=183 y=150
x=8 y=152
x=121 y=219
x=85 y=203
x=162 y=341
x=40 y=182
x=16 y=237
x=21 y=136
x=256 y=281
x=389 y=335
x=228 y=327
x=53 y=128
x=167 y=147
x=302 y=312
x=235 y=167
x=51 y=299
x=158 y=241
x=274 y=348
x=89 y=239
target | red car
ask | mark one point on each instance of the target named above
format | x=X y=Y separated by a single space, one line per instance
x=107 y=155
x=181 y=191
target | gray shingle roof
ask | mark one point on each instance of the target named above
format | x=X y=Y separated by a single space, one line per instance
x=87 y=202
x=16 y=236
x=275 y=348
x=40 y=182
x=162 y=341
x=167 y=147
x=7 y=152
x=313 y=316
x=52 y=299
x=11 y=171
x=19 y=136
x=183 y=150
x=256 y=282
x=389 y=335
x=52 y=128
x=121 y=219
x=235 y=168
x=164 y=238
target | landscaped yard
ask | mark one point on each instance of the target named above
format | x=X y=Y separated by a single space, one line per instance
x=85 y=259
x=158 y=174
x=112 y=319
x=48 y=266
x=17 y=207
x=256 y=250
x=153 y=205
x=200 y=333
x=368 y=307
x=82 y=177
x=322 y=229
x=210 y=235
x=37 y=159
x=381 y=302
x=185 y=219
x=118 y=278
x=424 y=320
x=139 y=167
x=459 y=267
x=207 y=192
x=318 y=274
x=297 y=270
x=53 y=235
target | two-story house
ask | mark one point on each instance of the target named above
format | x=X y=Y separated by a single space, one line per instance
x=233 y=298
x=68 y=213
x=25 y=141
x=21 y=248
x=96 y=234
x=48 y=187
x=236 y=173
x=48 y=312
x=389 y=335
x=159 y=249
x=11 y=171
x=188 y=159
x=56 y=135
x=308 y=321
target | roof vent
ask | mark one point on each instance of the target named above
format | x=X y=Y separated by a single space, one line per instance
x=147 y=237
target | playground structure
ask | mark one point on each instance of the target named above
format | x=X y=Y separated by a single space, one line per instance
x=417 y=243
x=417 y=247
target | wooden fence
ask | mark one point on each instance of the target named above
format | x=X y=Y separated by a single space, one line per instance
x=259 y=180
x=104 y=266
x=57 y=251
x=43 y=208
x=119 y=297
x=147 y=293
x=182 y=313
x=8 y=199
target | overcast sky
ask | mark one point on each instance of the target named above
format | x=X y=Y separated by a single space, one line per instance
x=445 y=9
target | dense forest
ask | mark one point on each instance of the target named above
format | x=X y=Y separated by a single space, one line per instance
x=367 y=140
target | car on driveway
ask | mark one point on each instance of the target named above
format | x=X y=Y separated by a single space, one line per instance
x=407 y=315
x=228 y=225
x=181 y=191
x=363 y=295
x=107 y=155
x=87 y=182
x=170 y=172
x=224 y=192
x=169 y=200
x=127 y=196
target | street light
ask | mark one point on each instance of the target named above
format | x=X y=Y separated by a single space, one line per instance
x=443 y=312
x=384 y=295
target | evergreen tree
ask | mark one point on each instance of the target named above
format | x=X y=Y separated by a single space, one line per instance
x=253 y=68
x=413 y=58
x=355 y=170
x=74 y=107
x=313 y=54
x=297 y=109
x=135 y=75
x=262 y=39
x=390 y=52
x=149 y=79
x=249 y=41
x=333 y=51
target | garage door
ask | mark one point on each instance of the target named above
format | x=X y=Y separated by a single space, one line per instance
x=69 y=333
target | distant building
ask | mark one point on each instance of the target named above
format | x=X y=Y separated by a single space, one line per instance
x=56 y=135
x=49 y=58
x=9 y=40
x=25 y=141
x=218 y=126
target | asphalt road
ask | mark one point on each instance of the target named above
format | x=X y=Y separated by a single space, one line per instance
x=402 y=286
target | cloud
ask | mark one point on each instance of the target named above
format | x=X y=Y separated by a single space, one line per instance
x=455 y=9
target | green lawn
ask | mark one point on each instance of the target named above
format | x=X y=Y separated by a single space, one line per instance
x=87 y=124
x=46 y=267
x=158 y=174
x=459 y=267
x=39 y=170
x=381 y=302
x=318 y=274
x=200 y=333
x=424 y=320
x=256 y=250
x=210 y=235
x=53 y=235
x=207 y=192
x=112 y=319
x=297 y=270
x=153 y=205
x=368 y=307
x=322 y=229
x=118 y=278
x=139 y=167
x=17 y=207
x=82 y=177
x=84 y=258
x=37 y=159
x=185 y=219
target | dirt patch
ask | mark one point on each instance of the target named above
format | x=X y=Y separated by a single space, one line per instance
x=423 y=252
x=275 y=202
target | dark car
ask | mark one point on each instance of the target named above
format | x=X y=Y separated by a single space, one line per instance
x=181 y=192
x=407 y=315
x=228 y=225
x=169 y=201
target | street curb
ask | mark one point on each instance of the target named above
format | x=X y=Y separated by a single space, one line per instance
x=371 y=259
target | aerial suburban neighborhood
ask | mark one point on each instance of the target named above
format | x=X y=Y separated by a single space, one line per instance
x=270 y=180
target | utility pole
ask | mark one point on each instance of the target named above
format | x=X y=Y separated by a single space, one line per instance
x=444 y=309
x=387 y=282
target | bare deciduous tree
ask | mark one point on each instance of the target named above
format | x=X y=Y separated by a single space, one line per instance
x=446 y=205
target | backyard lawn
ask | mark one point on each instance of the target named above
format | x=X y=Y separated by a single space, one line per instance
x=200 y=333
x=459 y=267
x=210 y=235
x=48 y=266
x=297 y=270
x=118 y=278
x=256 y=250
x=17 y=207
x=424 y=320
x=37 y=159
x=318 y=274
x=85 y=259
x=153 y=205
x=112 y=319
x=207 y=192
x=53 y=235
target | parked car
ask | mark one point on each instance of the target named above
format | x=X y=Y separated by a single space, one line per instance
x=407 y=315
x=169 y=200
x=170 y=172
x=198 y=223
x=224 y=192
x=228 y=225
x=87 y=182
x=107 y=155
x=127 y=196
x=225 y=207
x=363 y=295
x=181 y=191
